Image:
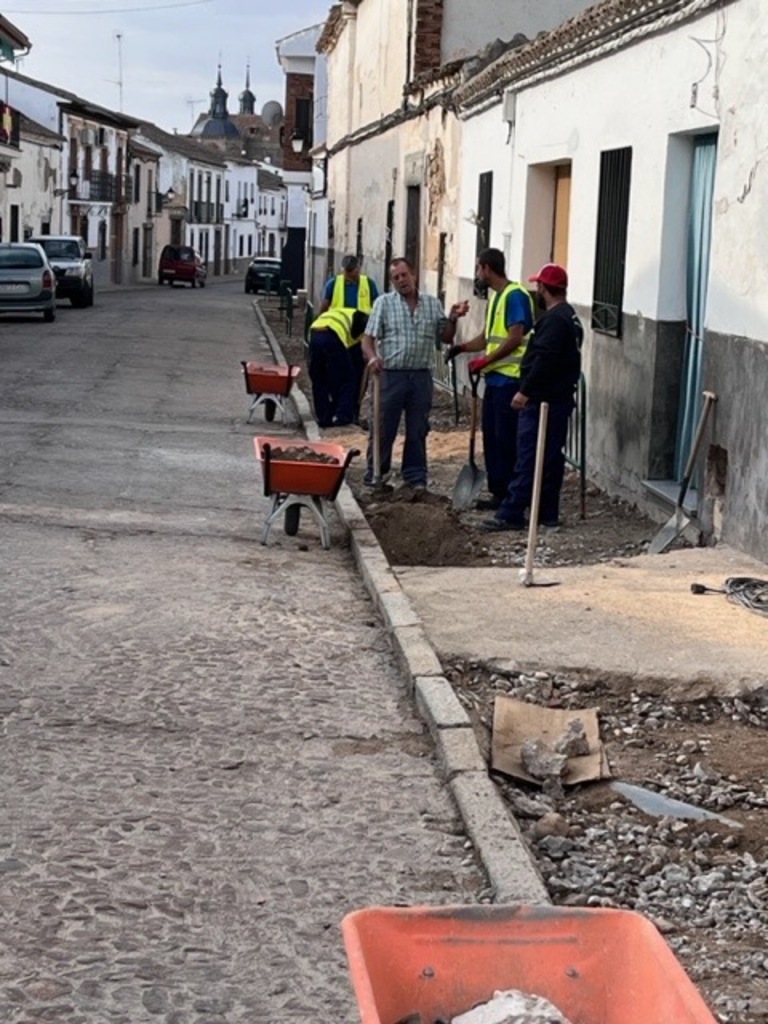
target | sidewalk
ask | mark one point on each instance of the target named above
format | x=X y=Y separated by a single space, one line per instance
x=634 y=620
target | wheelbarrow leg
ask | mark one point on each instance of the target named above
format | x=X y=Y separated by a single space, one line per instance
x=274 y=512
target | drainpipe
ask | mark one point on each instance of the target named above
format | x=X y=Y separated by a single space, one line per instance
x=350 y=15
x=408 y=51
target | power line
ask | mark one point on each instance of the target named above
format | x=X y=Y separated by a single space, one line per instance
x=116 y=10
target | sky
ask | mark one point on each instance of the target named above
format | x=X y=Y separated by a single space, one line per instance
x=168 y=50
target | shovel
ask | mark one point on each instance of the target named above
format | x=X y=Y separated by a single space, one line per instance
x=526 y=573
x=471 y=479
x=376 y=429
x=678 y=521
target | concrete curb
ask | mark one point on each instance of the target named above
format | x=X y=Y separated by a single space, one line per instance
x=496 y=836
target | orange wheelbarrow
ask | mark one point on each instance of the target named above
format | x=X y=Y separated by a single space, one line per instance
x=428 y=964
x=269 y=386
x=301 y=474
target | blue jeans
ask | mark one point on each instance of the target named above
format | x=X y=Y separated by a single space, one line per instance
x=334 y=377
x=407 y=392
x=518 y=499
x=500 y=433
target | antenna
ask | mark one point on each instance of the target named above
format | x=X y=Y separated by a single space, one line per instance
x=192 y=104
x=119 y=83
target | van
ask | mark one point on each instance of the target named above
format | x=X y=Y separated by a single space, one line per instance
x=181 y=263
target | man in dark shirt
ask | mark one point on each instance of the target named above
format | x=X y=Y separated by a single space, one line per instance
x=549 y=373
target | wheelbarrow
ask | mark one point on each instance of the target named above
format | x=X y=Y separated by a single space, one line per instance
x=269 y=386
x=301 y=474
x=429 y=964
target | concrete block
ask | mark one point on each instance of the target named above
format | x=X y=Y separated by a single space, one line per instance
x=458 y=751
x=498 y=841
x=438 y=704
x=397 y=609
x=415 y=653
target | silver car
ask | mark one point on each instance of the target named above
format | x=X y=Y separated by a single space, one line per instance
x=27 y=282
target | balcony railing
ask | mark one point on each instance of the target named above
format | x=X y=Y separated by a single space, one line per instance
x=101 y=187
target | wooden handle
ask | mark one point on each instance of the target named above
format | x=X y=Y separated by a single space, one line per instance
x=533 y=524
x=376 y=428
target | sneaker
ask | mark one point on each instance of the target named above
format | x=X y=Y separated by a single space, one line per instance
x=501 y=525
x=550 y=524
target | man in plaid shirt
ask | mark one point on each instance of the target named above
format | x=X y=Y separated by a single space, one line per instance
x=399 y=343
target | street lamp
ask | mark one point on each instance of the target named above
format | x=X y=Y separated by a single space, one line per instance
x=297 y=143
x=74 y=178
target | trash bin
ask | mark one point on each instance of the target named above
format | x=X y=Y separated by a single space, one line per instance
x=597 y=966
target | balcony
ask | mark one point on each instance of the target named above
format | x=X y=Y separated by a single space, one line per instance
x=101 y=187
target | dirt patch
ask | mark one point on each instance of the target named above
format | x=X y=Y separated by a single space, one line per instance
x=418 y=529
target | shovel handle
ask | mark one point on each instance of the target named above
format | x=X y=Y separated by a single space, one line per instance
x=376 y=432
x=709 y=400
x=474 y=383
x=533 y=523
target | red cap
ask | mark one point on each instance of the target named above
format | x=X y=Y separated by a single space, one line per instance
x=553 y=275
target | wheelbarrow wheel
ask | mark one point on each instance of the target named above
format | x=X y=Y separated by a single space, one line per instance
x=270 y=408
x=292 y=520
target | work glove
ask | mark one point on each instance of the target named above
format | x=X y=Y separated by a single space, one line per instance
x=478 y=364
x=453 y=351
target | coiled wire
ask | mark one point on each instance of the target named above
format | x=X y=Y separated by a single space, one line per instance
x=749 y=591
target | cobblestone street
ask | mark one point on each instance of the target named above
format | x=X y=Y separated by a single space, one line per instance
x=208 y=753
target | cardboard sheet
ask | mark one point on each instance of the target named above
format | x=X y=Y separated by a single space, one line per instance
x=515 y=721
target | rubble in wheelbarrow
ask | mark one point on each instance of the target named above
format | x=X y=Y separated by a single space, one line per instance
x=704 y=883
x=303 y=453
x=513 y=1007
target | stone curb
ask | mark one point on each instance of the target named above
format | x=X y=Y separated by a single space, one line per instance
x=496 y=836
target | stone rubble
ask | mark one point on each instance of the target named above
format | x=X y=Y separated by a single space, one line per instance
x=696 y=880
x=513 y=1007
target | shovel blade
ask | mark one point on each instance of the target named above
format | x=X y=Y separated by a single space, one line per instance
x=672 y=529
x=468 y=486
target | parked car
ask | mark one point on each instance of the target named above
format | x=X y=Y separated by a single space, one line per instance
x=262 y=274
x=27 y=281
x=73 y=266
x=181 y=263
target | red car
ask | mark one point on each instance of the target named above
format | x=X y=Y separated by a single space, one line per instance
x=181 y=263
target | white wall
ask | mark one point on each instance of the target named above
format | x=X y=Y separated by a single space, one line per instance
x=484 y=147
x=605 y=105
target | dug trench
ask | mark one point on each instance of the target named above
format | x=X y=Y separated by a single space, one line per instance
x=703 y=882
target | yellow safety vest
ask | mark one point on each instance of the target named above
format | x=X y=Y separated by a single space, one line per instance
x=496 y=333
x=340 y=322
x=364 y=303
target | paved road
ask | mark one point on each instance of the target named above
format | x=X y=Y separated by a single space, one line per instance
x=208 y=757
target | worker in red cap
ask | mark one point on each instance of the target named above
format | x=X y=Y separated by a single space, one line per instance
x=549 y=372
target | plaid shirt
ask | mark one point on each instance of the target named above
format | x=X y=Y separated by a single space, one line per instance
x=405 y=340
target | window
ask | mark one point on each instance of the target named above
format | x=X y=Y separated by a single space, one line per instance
x=250 y=245
x=483 y=221
x=137 y=183
x=271 y=244
x=273 y=206
x=303 y=126
x=226 y=190
x=135 y=247
x=611 y=243
x=359 y=239
x=413 y=226
x=102 y=249
x=389 y=241
x=241 y=246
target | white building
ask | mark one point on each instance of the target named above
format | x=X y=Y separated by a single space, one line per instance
x=647 y=187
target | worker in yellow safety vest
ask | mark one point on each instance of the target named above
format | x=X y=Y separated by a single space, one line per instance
x=335 y=365
x=508 y=325
x=350 y=289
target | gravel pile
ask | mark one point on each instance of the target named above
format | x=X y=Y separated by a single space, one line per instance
x=704 y=883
